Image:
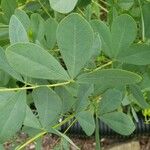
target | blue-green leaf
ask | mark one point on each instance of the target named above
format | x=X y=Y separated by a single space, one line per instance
x=33 y=61
x=119 y=122
x=76 y=45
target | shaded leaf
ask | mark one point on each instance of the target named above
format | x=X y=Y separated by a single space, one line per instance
x=110 y=101
x=30 y=119
x=48 y=104
x=86 y=120
x=85 y=90
x=138 y=95
x=8 y=7
x=67 y=99
x=119 y=122
x=12 y=115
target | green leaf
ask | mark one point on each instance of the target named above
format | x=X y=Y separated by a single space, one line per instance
x=66 y=138
x=85 y=90
x=33 y=61
x=125 y=4
x=96 y=47
x=50 y=27
x=17 y=32
x=37 y=28
x=67 y=99
x=4 y=33
x=8 y=7
x=146 y=8
x=75 y=47
x=86 y=120
x=83 y=3
x=104 y=32
x=109 y=77
x=48 y=104
x=63 y=6
x=119 y=122
x=12 y=115
x=1 y=147
x=23 y=18
x=138 y=95
x=110 y=101
x=30 y=119
x=4 y=65
x=137 y=54
x=124 y=30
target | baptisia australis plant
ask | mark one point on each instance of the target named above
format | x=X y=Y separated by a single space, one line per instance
x=61 y=61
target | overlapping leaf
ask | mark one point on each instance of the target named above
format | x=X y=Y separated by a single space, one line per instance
x=76 y=45
x=33 y=61
x=48 y=104
x=63 y=6
x=110 y=77
x=138 y=54
x=119 y=122
x=12 y=114
x=17 y=32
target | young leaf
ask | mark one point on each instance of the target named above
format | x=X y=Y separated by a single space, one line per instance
x=33 y=61
x=4 y=65
x=48 y=104
x=75 y=47
x=138 y=54
x=23 y=18
x=124 y=30
x=50 y=27
x=110 y=77
x=86 y=120
x=63 y=6
x=37 y=27
x=110 y=101
x=119 y=122
x=138 y=95
x=31 y=120
x=12 y=115
x=17 y=32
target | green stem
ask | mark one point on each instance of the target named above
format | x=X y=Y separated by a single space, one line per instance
x=74 y=121
x=103 y=66
x=105 y=2
x=44 y=132
x=97 y=137
x=142 y=21
x=43 y=7
x=104 y=9
x=36 y=86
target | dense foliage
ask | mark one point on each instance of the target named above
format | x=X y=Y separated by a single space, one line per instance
x=73 y=60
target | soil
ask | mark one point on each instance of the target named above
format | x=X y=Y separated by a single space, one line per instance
x=84 y=143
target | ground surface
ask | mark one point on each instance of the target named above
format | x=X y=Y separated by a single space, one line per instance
x=141 y=143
